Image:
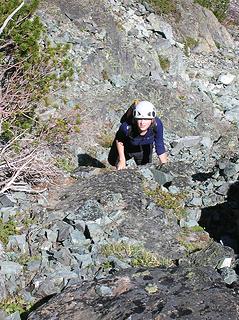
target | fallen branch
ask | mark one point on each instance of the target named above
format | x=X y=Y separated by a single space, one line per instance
x=14 y=177
x=10 y=17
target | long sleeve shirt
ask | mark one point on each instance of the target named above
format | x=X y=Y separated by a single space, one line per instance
x=131 y=137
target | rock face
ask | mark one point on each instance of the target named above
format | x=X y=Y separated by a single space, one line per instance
x=187 y=65
x=234 y=10
x=121 y=194
x=203 y=27
x=176 y=293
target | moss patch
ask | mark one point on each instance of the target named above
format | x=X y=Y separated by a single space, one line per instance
x=169 y=201
x=133 y=254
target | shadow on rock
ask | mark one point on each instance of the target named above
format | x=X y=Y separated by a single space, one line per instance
x=88 y=161
x=222 y=221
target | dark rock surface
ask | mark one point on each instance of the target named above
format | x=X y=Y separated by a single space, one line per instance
x=123 y=191
x=162 y=294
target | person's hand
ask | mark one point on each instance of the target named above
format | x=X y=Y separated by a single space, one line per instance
x=163 y=158
x=121 y=165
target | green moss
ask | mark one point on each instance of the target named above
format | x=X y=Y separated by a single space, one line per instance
x=164 y=63
x=133 y=254
x=163 y=6
x=65 y=164
x=193 y=238
x=169 y=201
x=218 y=7
x=196 y=229
x=7 y=229
x=13 y=304
x=189 y=43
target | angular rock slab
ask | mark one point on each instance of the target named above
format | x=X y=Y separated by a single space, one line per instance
x=150 y=226
x=162 y=294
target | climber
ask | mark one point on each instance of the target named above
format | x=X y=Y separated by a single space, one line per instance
x=137 y=136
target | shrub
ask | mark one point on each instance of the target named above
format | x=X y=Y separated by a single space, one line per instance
x=30 y=67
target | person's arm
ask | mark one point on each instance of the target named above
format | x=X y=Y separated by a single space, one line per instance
x=122 y=161
x=159 y=143
x=120 y=140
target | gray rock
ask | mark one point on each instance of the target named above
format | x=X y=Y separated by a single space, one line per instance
x=233 y=115
x=161 y=26
x=192 y=217
x=104 y=291
x=5 y=201
x=3 y=315
x=51 y=235
x=14 y=316
x=7 y=213
x=85 y=260
x=185 y=142
x=34 y=265
x=226 y=78
x=77 y=237
x=231 y=170
x=229 y=275
x=18 y=242
x=95 y=230
x=162 y=176
x=9 y=268
x=118 y=264
x=223 y=189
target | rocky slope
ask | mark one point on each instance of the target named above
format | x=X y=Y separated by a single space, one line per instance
x=187 y=65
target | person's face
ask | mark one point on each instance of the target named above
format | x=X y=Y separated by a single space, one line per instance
x=143 y=124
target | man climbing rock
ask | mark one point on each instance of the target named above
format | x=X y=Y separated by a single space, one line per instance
x=137 y=137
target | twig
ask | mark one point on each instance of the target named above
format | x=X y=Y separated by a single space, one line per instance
x=27 y=190
x=10 y=17
x=13 y=178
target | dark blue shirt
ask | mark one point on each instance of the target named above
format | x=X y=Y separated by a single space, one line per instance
x=131 y=137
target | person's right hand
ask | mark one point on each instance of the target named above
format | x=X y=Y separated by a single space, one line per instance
x=121 y=165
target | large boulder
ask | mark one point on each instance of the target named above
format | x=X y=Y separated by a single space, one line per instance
x=174 y=293
x=198 y=23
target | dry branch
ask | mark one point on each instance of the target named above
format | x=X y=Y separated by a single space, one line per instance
x=10 y=17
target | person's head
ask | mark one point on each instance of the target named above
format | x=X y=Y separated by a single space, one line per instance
x=144 y=115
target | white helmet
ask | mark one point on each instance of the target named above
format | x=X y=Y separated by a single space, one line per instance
x=144 y=110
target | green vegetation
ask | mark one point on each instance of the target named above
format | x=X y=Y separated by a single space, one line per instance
x=36 y=68
x=169 y=201
x=164 y=63
x=218 y=7
x=134 y=254
x=26 y=258
x=189 y=43
x=163 y=6
x=106 y=139
x=193 y=238
x=7 y=229
x=196 y=229
x=13 y=304
x=65 y=164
